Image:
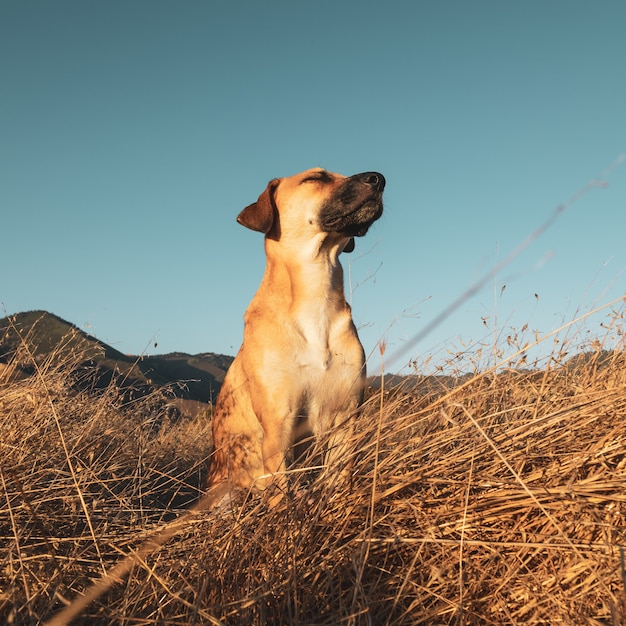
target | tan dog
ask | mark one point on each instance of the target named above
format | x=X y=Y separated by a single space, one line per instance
x=301 y=359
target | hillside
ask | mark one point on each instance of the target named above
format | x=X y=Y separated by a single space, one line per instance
x=34 y=336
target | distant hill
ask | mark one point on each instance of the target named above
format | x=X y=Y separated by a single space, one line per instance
x=417 y=383
x=194 y=380
x=36 y=335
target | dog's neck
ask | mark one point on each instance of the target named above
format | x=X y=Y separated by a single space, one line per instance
x=310 y=288
x=313 y=275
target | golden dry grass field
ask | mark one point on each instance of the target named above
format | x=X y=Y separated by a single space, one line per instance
x=501 y=500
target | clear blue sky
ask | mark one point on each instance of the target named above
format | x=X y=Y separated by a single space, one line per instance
x=133 y=132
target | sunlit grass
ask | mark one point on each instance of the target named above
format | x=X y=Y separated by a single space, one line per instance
x=496 y=498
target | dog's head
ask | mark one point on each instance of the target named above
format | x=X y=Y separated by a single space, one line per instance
x=317 y=204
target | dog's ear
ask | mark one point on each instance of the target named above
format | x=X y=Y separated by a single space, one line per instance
x=260 y=215
x=349 y=246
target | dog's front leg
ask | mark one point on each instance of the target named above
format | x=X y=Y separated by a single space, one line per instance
x=274 y=451
x=335 y=428
x=276 y=416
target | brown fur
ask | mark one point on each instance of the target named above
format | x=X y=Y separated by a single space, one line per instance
x=301 y=359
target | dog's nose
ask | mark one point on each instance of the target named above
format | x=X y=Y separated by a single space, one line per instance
x=374 y=179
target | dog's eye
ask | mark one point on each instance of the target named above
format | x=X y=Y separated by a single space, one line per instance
x=318 y=177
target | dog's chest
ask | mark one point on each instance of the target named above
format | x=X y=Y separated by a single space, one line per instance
x=314 y=333
x=327 y=340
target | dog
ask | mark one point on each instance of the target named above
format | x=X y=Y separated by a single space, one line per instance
x=301 y=363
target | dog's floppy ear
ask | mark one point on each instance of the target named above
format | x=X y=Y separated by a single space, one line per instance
x=260 y=215
x=349 y=246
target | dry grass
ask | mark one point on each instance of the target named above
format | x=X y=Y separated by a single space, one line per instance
x=501 y=501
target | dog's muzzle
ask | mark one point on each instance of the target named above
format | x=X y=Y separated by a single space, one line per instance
x=354 y=206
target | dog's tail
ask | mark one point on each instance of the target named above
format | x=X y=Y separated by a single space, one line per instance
x=138 y=556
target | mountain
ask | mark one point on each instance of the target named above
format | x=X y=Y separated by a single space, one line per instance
x=33 y=337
